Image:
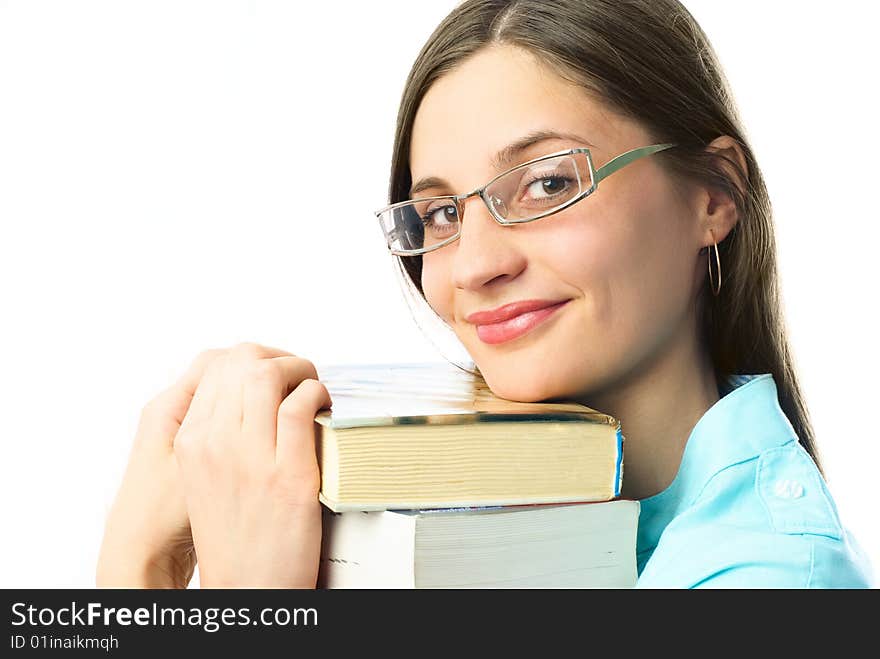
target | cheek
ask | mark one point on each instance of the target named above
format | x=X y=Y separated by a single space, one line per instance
x=630 y=248
x=436 y=285
x=581 y=253
x=627 y=262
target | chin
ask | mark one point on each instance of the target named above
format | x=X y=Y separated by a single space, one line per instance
x=516 y=383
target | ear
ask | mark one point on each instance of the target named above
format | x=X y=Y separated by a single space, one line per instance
x=716 y=209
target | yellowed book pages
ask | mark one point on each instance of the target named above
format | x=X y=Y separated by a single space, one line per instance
x=405 y=436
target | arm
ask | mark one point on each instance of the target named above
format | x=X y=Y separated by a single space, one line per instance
x=223 y=467
x=147 y=541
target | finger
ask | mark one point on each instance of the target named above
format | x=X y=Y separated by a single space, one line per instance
x=190 y=379
x=266 y=384
x=227 y=420
x=193 y=374
x=162 y=416
x=204 y=399
x=295 y=450
x=202 y=379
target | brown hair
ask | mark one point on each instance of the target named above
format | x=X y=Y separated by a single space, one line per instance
x=650 y=61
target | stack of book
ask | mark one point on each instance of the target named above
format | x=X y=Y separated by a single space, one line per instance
x=428 y=480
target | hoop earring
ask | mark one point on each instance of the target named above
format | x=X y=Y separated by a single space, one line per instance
x=715 y=291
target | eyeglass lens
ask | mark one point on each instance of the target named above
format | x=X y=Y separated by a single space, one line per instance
x=521 y=194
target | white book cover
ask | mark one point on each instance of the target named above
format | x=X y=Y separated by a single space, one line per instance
x=588 y=545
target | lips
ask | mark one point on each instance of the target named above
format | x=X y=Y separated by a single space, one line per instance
x=509 y=311
x=514 y=320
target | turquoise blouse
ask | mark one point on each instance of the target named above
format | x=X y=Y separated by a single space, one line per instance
x=748 y=507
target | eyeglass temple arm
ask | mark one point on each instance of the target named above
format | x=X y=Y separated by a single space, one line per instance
x=624 y=159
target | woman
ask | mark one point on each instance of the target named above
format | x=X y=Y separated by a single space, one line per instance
x=618 y=251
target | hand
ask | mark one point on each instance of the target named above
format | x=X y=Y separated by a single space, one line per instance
x=147 y=541
x=246 y=451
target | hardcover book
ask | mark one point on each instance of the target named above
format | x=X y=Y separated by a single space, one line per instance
x=431 y=435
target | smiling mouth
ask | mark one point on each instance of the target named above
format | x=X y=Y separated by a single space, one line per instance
x=513 y=328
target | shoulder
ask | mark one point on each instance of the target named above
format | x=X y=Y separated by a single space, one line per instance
x=766 y=522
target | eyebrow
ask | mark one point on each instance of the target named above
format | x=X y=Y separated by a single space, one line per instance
x=506 y=156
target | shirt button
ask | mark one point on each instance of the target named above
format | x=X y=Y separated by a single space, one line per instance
x=788 y=489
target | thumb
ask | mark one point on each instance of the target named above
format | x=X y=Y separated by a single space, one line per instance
x=295 y=445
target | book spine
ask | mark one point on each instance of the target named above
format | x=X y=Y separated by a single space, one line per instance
x=618 y=475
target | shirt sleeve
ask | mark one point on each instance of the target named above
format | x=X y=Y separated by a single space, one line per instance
x=738 y=558
x=766 y=523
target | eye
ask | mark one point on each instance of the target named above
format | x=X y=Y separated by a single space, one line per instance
x=441 y=216
x=547 y=187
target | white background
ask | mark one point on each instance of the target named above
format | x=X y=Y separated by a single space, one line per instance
x=167 y=185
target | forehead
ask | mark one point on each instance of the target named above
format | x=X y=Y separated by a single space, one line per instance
x=492 y=99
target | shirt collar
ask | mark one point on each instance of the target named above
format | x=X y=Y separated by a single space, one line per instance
x=746 y=420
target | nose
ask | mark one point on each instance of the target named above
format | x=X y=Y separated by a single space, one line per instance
x=485 y=251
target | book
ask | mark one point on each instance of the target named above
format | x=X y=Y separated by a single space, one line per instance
x=432 y=436
x=589 y=545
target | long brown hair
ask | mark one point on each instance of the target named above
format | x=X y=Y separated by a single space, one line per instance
x=650 y=61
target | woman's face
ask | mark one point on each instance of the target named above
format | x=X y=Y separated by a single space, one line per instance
x=624 y=259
